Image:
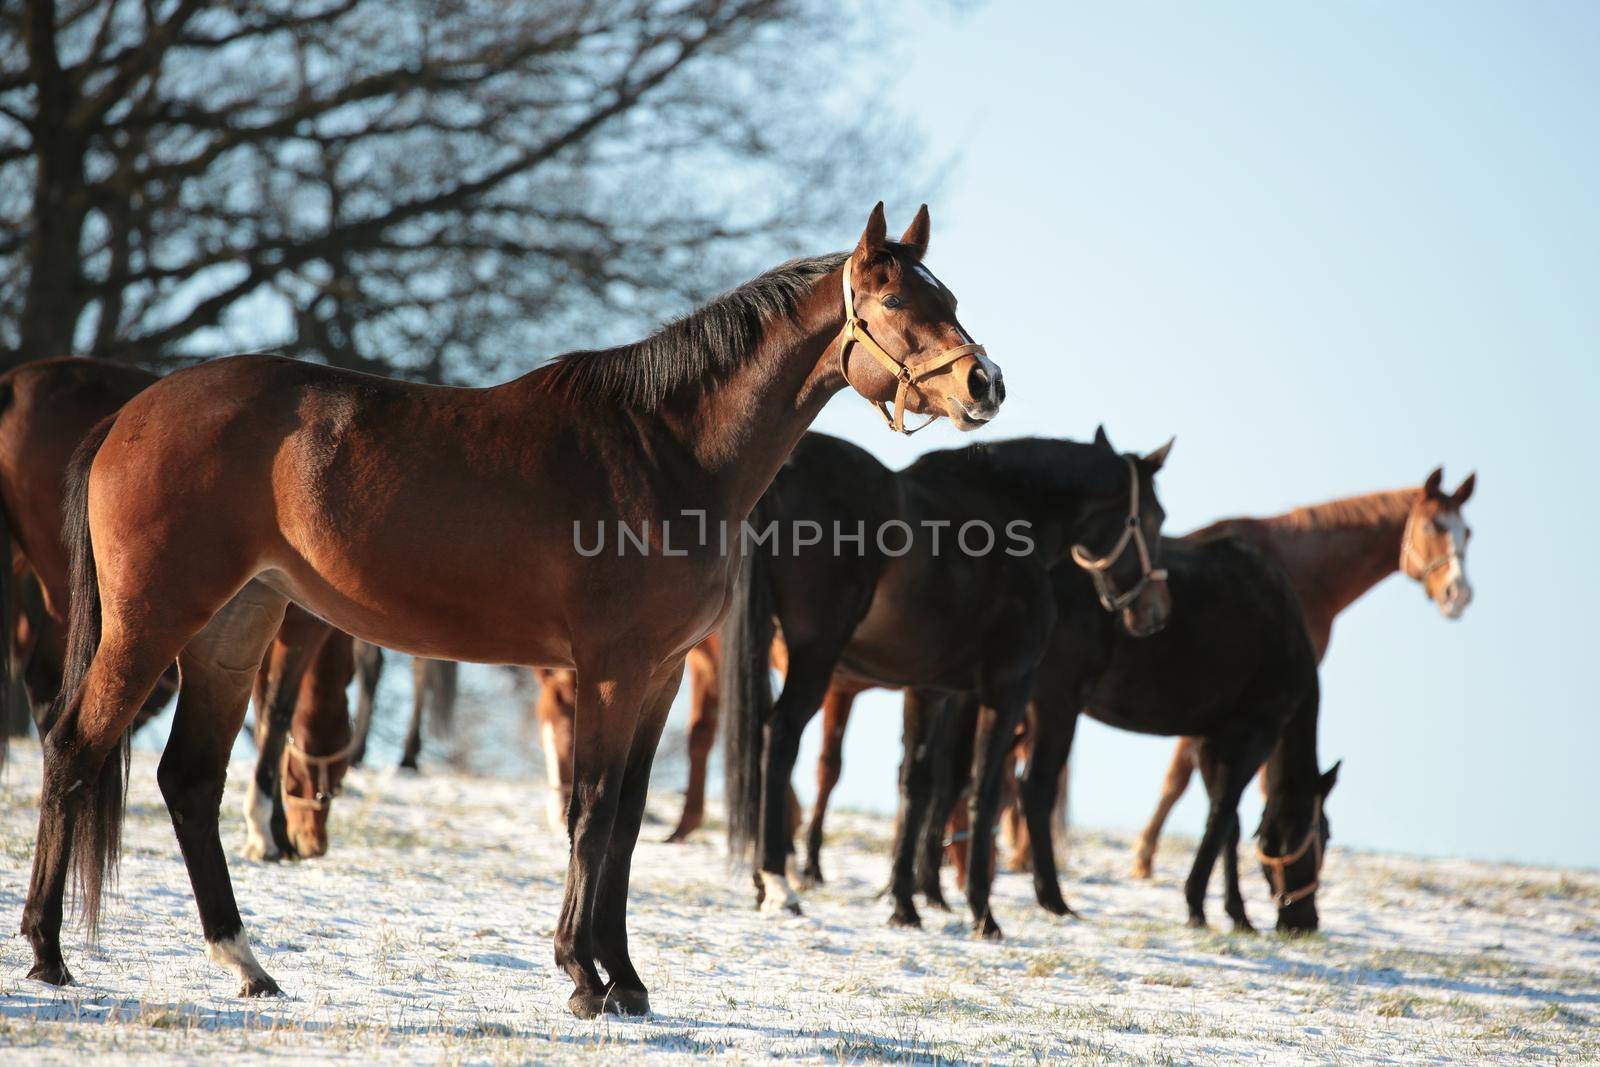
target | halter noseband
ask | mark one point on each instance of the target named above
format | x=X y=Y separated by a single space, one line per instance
x=1278 y=865
x=1406 y=545
x=1132 y=531
x=319 y=766
x=906 y=373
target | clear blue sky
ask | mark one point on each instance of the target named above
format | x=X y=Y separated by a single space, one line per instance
x=1328 y=246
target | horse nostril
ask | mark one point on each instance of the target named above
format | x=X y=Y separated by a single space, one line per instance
x=977 y=382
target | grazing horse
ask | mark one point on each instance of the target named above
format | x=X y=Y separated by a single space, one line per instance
x=1235 y=668
x=1333 y=554
x=317 y=751
x=920 y=600
x=458 y=524
x=46 y=410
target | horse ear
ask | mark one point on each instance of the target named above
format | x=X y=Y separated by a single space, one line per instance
x=1158 y=459
x=1430 y=488
x=1101 y=439
x=916 y=236
x=1328 y=780
x=1463 y=491
x=876 y=233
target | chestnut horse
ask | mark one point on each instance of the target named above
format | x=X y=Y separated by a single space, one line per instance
x=1333 y=553
x=897 y=609
x=451 y=523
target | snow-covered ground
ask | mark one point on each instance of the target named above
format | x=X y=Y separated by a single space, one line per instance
x=426 y=934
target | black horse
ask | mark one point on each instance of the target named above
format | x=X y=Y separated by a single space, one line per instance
x=1234 y=667
x=934 y=577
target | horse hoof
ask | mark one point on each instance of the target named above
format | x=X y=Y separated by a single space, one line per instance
x=793 y=908
x=811 y=877
x=1057 y=906
x=909 y=920
x=937 y=903
x=260 y=986
x=1197 y=922
x=51 y=973
x=988 y=930
x=586 y=1005
x=1142 y=870
x=1243 y=926
x=621 y=1001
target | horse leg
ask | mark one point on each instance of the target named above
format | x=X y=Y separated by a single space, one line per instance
x=556 y=711
x=1177 y=780
x=80 y=796
x=836 y=708
x=999 y=714
x=626 y=994
x=921 y=715
x=369 y=669
x=703 y=715
x=608 y=712
x=951 y=751
x=218 y=666
x=954 y=786
x=1052 y=746
x=810 y=668
x=1233 y=899
x=420 y=683
x=278 y=687
x=1229 y=766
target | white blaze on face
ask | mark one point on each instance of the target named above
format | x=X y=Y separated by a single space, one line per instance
x=984 y=361
x=1458 y=588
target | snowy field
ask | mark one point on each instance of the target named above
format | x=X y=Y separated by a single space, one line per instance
x=426 y=935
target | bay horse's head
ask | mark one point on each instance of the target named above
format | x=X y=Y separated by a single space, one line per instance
x=316 y=755
x=902 y=344
x=1291 y=844
x=1120 y=544
x=1433 y=549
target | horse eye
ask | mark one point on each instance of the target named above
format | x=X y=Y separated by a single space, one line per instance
x=892 y=302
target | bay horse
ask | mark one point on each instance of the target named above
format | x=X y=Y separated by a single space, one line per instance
x=47 y=407
x=1333 y=554
x=448 y=523
x=1235 y=668
x=939 y=620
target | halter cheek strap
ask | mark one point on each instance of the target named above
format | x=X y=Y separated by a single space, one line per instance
x=1406 y=546
x=906 y=373
x=321 y=770
x=1132 y=532
x=1279 y=865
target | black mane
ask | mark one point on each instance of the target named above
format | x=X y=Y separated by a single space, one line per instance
x=702 y=347
x=1039 y=463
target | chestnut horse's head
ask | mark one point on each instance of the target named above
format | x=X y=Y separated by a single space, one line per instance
x=1291 y=844
x=1121 y=545
x=902 y=344
x=317 y=752
x=1433 y=549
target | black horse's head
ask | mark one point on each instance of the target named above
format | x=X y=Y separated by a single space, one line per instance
x=1120 y=546
x=1291 y=845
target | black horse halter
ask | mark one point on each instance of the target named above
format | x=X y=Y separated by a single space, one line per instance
x=1132 y=533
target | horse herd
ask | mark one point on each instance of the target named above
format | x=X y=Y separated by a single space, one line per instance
x=257 y=526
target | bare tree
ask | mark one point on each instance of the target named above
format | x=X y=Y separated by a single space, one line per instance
x=441 y=188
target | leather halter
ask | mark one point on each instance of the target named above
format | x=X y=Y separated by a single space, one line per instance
x=1278 y=865
x=1433 y=564
x=319 y=766
x=1132 y=531
x=906 y=373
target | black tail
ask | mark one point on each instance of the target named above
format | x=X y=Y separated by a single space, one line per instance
x=97 y=833
x=745 y=681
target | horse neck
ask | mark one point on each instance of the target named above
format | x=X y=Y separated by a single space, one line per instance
x=1292 y=770
x=740 y=430
x=1334 y=553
